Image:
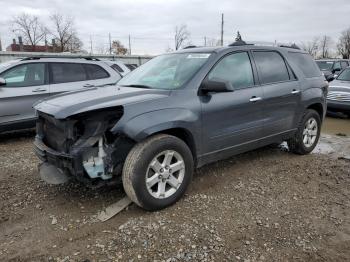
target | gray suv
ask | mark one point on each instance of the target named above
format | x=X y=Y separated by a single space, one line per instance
x=180 y=111
x=23 y=82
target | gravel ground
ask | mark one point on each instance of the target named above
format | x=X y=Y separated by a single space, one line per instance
x=266 y=205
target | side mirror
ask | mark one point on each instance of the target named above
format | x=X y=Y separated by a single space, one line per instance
x=330 y=78
x=336 y=70
x=216 y=85
x=2 y=82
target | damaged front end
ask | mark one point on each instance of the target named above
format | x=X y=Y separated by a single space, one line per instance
x=82 y=146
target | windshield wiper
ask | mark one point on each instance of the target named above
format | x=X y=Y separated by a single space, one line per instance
x=139 y=86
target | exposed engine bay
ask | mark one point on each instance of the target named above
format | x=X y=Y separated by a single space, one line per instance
x=82 y=146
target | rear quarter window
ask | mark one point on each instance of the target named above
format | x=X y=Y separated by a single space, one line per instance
x=117 y=68
x=95 y=72
x=306 y=64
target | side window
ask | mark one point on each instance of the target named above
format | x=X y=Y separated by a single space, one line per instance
x=337 y=66
x=117 y=68
x=67 y=72
x=305 y=63
x=25 y=75
x=235 y=68
x=96 y=72
x=271 y=67
x=344 y=64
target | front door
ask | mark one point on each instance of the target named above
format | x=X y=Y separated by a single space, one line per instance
x=25 y=85
x=232 y=121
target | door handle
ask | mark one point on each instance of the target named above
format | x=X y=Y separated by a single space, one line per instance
x=255 y=99
x=39 y=90
x=88 y=85
x=295 y=91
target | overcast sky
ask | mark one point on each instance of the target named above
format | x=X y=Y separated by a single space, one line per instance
x=151 y=23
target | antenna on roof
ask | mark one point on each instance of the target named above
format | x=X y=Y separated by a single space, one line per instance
x=238 y=40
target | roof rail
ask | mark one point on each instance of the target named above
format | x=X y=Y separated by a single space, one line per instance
x=190 y=46
x=276 y=44
x=293 y=46
x=68 y=57
x=239 y=43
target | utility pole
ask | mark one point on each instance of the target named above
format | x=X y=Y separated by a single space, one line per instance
x=110 y=43
x=222 y=30
x=90 y=45
x=0 y=44
x=129 y=46
x=205 y=41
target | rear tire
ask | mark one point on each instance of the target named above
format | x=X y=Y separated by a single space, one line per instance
x=307 y=135
x=157 y=172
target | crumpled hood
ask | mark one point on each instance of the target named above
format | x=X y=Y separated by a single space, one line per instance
x=68 y=104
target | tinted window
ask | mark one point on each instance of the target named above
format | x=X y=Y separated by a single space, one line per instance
x=324 y=65
x=67 y=72
x=117 y=68
x=235 y=68
x=96 y=72
x=25 y=75
x=336 y=66
x=271 y=67
x=344 y=64
x=306 y=64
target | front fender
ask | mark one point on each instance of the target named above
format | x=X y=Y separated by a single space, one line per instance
x=146 y=124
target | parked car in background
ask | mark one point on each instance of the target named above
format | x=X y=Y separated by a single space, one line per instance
x=331 y=67
x=338 y=98
x=131 y=66
x=23 y=82
x=180 y=111
x=119 y=66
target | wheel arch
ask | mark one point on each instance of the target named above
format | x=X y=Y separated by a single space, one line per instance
x=318 y=107
x=183 y=134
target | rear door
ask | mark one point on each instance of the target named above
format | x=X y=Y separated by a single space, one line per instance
x=282 y=94
x=25 y=85
x=65 y=77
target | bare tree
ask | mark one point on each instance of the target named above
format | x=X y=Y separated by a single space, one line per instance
x=213 y=42
x=311 y=46
x=29 y=27
x=181 y=35
x=118 y=48
x=75 y=45
x=64 y=32
x=102 y=49
x=325 y=44
x=343 y=45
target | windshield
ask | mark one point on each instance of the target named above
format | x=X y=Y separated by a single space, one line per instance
x=325 y=65
x=170 y=71
x=345 y=75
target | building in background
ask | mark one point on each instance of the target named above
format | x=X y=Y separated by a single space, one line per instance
x=21 y=47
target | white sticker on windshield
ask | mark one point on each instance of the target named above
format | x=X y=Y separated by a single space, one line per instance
x=329 y=62
x=198 y=56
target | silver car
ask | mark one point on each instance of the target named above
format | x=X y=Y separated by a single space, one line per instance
x=338 y=98
x=25 y=81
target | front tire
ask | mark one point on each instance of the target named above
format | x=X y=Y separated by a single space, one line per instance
x=307 y=135
x=157 y=171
